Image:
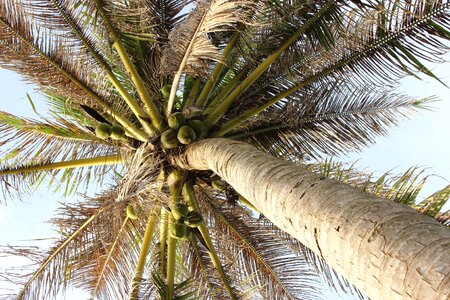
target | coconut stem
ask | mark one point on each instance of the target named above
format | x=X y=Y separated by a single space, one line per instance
x=191 y=200
x=163 y=240
x=225 y=91
x=171 y=251
x=237 y=121
x=193 y=94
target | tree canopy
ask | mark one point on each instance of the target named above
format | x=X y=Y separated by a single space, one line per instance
x=130 y=83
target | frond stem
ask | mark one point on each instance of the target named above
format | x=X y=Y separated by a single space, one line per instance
x=221 y=109
x=176 y=78
x=131 y=102
x=249 y=247
x=225 y=91
x=163 y=240
x=138 y=134
x=149 y=230
x=152 y=109
x=108 y=257
x=171 y=261
x=84 y=162
x=214 y=76
x=193 y=94
x=61 y=247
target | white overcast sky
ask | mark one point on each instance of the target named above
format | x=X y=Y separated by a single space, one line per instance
x=424 y=141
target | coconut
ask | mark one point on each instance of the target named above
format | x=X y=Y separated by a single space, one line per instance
x=178 y=231
x=165 y=91
x=193 y=219
x=131 y=213
x=103 y=131
x=117 y=132
x=186 y=135
x=199 y=128
x=176 y=120
x=179 y=210
x=219 y=184
x=169 y=139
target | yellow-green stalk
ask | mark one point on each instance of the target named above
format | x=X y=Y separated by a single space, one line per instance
x=136 y=133
x=225 y=91
x=152 y=109
x=195 y=90
x=214 y=76
x=137 y=110
x=221 y=109
x=163 y=240
x=171 y=251
x=191 y=200
x=151 y=222
x=235 y=122
x=84 y=162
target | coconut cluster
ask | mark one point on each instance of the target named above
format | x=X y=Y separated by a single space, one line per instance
x=182 y=131
x=185 y=219
x=104 y=131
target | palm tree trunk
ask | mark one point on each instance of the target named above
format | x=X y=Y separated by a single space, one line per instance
x=387 y=250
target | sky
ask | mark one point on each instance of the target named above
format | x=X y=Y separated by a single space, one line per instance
x=424 y=140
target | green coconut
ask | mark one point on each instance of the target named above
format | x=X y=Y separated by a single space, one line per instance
x=179 y=210
x=193 y=219
x=117 y=132
x=219 y=184
x=165 y=91
x=178 y=231
x=103 y=131
x=186 y=135
x=131 y=213
x=169 y=139
x=176 y=120
x=199 y=128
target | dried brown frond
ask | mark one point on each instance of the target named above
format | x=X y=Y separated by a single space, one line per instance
x=189 y=47
x=255 y=253
x=49 y=60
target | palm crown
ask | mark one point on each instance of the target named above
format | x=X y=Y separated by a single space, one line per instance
x=132 y=82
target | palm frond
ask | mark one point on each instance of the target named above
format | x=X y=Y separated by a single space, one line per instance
x=272 y=268
x=190 y=46
x=433 y=204
x=403 y=188
x=361 y=53
x=27 y=142
x=344 y=118
x=42 y=61
x=67 y=253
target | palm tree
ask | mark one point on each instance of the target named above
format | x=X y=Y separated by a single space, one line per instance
x=184 y=105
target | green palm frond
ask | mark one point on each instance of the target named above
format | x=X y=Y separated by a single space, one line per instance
x=403 y=188
x=433 y=204
x=343 y=118
x=166 y=15
x=27 y=142
x=360 y=54
x=190 y=47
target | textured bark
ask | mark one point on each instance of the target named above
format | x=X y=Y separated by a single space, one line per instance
x=387 y=250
